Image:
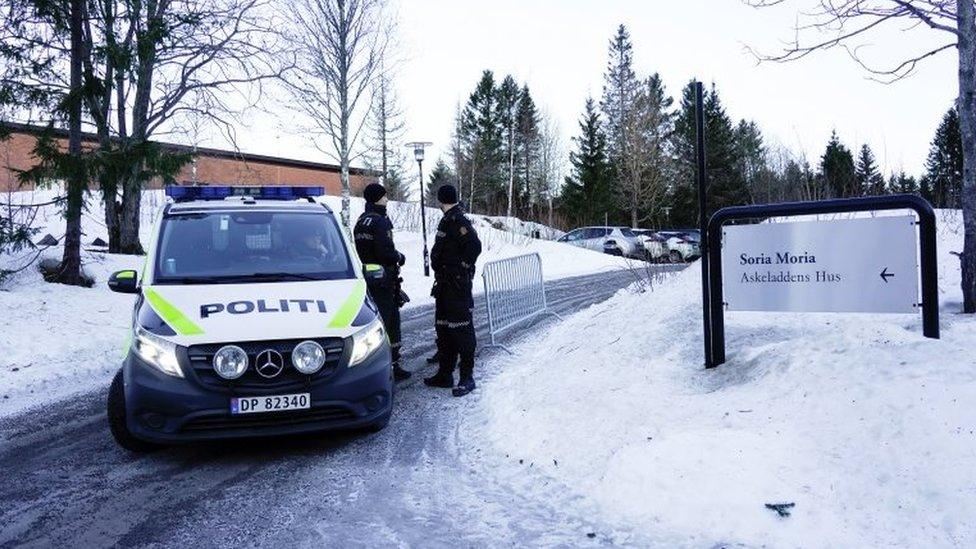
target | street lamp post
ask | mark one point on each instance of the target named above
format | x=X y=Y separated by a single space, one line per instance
x=418 y=154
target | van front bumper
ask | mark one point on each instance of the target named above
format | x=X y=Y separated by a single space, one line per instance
x=167 y=409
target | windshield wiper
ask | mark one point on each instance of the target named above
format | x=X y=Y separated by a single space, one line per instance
x=192 y=280
x=281 y=276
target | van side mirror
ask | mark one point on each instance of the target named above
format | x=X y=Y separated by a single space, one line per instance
x=372 y=271
x=124 y=282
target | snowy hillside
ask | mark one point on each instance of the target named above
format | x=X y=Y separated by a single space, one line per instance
x=56 y=339
x=868 y=427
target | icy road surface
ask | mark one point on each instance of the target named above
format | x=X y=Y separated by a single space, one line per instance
x=421 y=482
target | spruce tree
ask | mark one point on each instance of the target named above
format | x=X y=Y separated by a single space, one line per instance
x=620 y=87
x=726 y=186
x=869 y=181
x=751 y=156
x=507 y=104
x=527 y=178
x=483 y=138
x=441 y=175
x=901 y=183
x=943 y=167
x=645 y=168
x=586 y=193
x=837 y=167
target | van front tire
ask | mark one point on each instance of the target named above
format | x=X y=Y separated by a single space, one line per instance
x=116 y=419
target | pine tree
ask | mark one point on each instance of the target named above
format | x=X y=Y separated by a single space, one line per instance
x=943 y=167
x=869 y=180
x=837 y=167
x=586 y=193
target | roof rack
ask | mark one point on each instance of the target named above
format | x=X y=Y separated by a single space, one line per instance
x=187 y=193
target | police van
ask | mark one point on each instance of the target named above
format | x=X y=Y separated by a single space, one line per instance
x=251 y=318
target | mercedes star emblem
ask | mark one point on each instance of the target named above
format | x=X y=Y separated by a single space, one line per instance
x=269 y=363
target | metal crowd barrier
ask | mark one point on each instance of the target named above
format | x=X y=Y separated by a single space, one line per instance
x=514 y=293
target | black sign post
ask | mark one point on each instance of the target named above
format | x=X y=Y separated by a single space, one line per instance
x=703 y=219
x=715 y=333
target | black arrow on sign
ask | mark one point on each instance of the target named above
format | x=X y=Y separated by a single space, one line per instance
x=885 y=275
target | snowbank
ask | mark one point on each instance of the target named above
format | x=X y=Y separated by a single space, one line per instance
x=56 y=340
x=865 y=425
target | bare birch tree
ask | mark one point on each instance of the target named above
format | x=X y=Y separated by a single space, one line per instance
x=551 y=160
x=341 y=47
x=387 y=128
x=157 y=61
x=850 y=24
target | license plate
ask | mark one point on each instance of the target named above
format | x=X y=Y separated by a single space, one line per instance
x=274 y=403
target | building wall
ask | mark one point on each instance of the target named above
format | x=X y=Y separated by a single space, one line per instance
x=15 y=154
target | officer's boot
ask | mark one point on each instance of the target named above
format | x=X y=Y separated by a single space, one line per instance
x=444 y=378
x=466 y=383
x=399 y=374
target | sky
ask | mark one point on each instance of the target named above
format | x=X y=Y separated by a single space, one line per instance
x=559 y=48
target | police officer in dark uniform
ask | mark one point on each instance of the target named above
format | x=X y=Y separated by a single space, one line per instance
x=374 y=243
x=453 y=257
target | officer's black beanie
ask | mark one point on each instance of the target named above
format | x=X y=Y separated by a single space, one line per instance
x=373 y=192
x=447 y=194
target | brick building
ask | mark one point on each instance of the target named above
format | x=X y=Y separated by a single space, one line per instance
x=213 y=166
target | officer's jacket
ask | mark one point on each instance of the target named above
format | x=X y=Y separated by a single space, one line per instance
x=374 y=239
x=455 y=251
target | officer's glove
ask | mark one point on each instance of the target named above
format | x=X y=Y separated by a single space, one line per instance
x=402 y=260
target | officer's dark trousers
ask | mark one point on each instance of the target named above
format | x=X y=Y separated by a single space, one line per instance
x=385 y=299
x=455 y=336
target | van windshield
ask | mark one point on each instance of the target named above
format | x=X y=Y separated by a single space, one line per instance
x=254 y=246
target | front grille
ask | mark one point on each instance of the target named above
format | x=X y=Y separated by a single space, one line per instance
x=273 y=419
x=201 y=360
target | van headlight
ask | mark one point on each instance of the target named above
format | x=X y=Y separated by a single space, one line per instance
x=366 y=341
x=230 y=362
x=156 y=351
x=308 y=357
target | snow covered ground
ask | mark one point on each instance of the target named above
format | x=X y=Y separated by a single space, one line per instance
x=56 y=340
x=868 y=427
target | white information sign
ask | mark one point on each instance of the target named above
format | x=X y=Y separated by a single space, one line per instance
x=850 y=265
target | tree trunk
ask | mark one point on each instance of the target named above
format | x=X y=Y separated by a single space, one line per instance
x=345 y=192
x=129 y=219
x=69 y=271
x=110 y=199
x=967 y=125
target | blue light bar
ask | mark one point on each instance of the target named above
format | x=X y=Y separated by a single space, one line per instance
x=183 y=193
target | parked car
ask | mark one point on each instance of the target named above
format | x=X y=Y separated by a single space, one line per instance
x=611 y=240
x=684 y=245
x=655 y=245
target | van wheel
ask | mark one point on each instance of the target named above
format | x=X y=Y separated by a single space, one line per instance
x=116 y=419
x=675 y=256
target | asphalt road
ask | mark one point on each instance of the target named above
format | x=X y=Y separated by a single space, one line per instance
x=420 y=482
